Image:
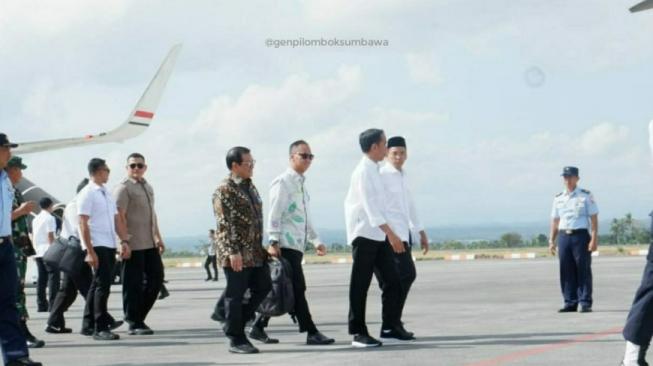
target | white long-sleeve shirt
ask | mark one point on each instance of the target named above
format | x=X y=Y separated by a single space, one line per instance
x=289 y=222
x=364 y=207
x=399 y=204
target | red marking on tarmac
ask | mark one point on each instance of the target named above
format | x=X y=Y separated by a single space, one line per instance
x=515 y=356
x=144 y=114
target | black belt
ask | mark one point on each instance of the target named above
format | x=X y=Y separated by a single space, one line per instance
x=5 y=239
x=573 y=232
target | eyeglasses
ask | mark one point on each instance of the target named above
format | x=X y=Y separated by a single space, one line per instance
x=248 y=163
x=136 y=165
x=306 y=156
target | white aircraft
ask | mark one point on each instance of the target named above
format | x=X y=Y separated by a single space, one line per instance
x=644 y=5
x=138 y=121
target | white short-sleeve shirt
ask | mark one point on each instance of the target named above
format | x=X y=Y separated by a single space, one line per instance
x=98 y=204
x=43 y=224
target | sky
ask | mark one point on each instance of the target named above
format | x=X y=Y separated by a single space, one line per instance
x=494 y=98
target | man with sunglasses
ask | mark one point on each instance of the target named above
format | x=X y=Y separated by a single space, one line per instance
x=290 y=229
x=98 y=225
x=143 y=270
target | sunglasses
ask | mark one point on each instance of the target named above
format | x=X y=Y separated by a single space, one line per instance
x=248 y=163
x=136 y=165
x=306 y=156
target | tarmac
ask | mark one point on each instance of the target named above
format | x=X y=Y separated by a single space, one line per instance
x=468 y=313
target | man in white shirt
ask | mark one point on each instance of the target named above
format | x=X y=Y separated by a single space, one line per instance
x=44 y=227
x=373 y=242
x=290 y=230
x=98 y=223
x=402 y=215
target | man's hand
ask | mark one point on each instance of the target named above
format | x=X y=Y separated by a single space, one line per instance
x=274 y=251
x=397 y=244
x=424 y=242
x=26 y=207
x=236 y=261
x=161 y=246
x=125 y=251
x=92 y=260
x=594 y=245
x=552 y=247
x=321 y=250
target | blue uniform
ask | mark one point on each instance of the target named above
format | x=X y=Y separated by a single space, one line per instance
x=639 y=326
x=14 y=345
x=574 y=209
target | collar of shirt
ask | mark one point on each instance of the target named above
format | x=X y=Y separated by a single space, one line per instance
x=296 y=176
x=136 y=181
x=572 y=193
x=238 y=180
x=369 y=163
x=389 y=168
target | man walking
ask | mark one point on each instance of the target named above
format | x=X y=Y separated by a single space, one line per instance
x=98 y=221
x=143 y=270
x=12 y=338
x=44 y=228
x=402 y=218
x=211 y=258
x=290 y=229
x=373 y=243
x=239 y=215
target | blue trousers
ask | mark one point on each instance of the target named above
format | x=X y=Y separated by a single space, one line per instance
x=575 y=268
x=639 y=326
x=14 y=345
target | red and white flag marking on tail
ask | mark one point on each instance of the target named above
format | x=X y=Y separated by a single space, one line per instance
x=142 y=117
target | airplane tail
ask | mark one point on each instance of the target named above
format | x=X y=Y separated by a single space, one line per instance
x=137 y=122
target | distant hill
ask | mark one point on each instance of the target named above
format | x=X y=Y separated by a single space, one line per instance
x=464 y=233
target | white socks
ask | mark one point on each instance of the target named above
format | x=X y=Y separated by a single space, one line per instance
x=632 y=353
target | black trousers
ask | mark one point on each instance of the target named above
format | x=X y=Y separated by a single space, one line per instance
x=369 y=255
x=12 y=339
x=49 y=280
x=142 y=277
x=98 y=293
x=211 y=261
x=575 y=268
x=301 y=311
x=257 y=280
x=70 y=286
x=639 y=326
x=407 y=274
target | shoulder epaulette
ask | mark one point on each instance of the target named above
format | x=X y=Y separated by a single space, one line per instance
x=559 y=194
x=585 y=191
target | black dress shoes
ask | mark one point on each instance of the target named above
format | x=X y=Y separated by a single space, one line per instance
x=243 y=348
x=260 y=335
x=25 y=361
x=57 y=330
x=318 y=339
x=569 y=309
x=105 y=335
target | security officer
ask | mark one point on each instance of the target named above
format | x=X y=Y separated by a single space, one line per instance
x=573 y=214
x=22 y=244
x=14 y=345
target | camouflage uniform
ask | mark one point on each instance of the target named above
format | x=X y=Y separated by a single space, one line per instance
x=20 y=238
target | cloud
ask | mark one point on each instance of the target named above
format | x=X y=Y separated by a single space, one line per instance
x=423 y=68
x=299 y=104
x=604 y=138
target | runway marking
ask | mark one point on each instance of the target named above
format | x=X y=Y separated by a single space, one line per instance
x=515 y=356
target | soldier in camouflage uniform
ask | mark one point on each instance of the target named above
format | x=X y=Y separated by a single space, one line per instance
x=22 y=244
